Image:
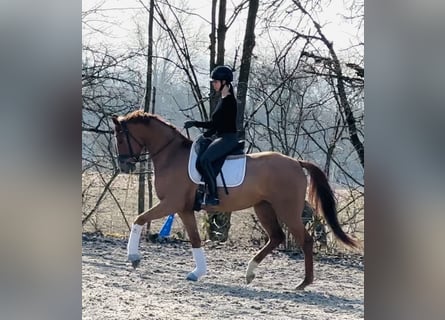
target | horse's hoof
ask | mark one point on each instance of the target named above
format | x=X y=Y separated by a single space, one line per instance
x=302 y=285
x=134 y=259
x=250 y=277
x=135 y=263
x=192 y=277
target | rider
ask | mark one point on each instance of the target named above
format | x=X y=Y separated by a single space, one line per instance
x=221 y=129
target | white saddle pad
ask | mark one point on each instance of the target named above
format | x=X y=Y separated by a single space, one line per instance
x=234 y=169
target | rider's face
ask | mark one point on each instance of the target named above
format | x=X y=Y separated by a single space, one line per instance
x=217 y=85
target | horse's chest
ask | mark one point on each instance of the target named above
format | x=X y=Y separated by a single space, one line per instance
x=163 y=185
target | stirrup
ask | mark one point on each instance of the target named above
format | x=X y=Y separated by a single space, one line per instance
x=210 y=200
x=199 y=197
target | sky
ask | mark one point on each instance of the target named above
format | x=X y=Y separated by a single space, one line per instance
x=123 y=12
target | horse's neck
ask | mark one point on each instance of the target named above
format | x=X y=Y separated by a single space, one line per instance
x=163 y=145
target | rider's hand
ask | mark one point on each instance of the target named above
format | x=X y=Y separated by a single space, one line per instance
x=189 y=124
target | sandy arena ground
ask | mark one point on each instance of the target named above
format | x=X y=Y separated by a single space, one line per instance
x=158 y=289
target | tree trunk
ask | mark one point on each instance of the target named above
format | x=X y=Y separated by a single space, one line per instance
x=331 y=147
x=249 y=43
x=346 y=107
x=218 y=226
x=212 y=36
x=217 y=44
x=149 y=163
x=143 y=167
x=221 y=32
x=219 y=222
x=344 y=104
x=213 y=97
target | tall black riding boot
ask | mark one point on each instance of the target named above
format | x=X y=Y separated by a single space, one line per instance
x=211 y=199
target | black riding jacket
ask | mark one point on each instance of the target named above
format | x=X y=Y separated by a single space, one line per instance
x=223 y=118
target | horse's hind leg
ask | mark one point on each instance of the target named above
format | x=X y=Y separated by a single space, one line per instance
x=293 y=221
x=268 y=220
x=307 y=245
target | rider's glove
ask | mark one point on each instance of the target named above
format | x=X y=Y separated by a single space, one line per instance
x=189 y=124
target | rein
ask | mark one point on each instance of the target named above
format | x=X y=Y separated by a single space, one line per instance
x=152 y=155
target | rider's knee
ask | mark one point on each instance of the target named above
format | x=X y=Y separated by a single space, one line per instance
x=204 y=161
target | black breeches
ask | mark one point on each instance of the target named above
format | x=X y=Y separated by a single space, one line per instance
x=219 y=148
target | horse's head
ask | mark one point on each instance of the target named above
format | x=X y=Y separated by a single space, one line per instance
x=128 y=147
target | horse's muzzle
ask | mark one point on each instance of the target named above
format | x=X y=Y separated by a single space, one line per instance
x=126 y=164
x=127 y=167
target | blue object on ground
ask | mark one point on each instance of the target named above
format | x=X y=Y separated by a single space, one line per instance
x=167 y=227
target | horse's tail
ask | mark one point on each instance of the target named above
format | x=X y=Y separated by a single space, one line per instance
x=320 y=193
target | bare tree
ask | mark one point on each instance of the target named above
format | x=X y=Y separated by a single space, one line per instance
x=147 y=99
x=340 y=86
x=248 y=45
x=219 y=222
x=110 y=84
x=179 y=41
x=295 y=106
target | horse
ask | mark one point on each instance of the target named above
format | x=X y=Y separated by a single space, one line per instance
x=275 y=185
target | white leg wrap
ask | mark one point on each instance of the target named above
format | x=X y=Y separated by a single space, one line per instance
x=251 y=267
x=201 y=266
x=133 y=241
x=250 y=275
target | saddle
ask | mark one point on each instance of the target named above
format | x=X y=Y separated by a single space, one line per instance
x=230 y=169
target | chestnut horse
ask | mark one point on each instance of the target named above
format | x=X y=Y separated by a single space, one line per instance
x=275 y=186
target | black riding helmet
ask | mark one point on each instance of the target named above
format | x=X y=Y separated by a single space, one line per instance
x=222 y=73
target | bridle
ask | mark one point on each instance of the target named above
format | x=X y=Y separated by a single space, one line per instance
x=131 y=155
x=128 y=136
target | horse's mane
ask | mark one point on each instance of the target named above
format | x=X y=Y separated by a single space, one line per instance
x=140 y=116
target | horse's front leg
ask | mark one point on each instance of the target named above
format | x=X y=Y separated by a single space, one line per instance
x=189 y=221
x=158 y=211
